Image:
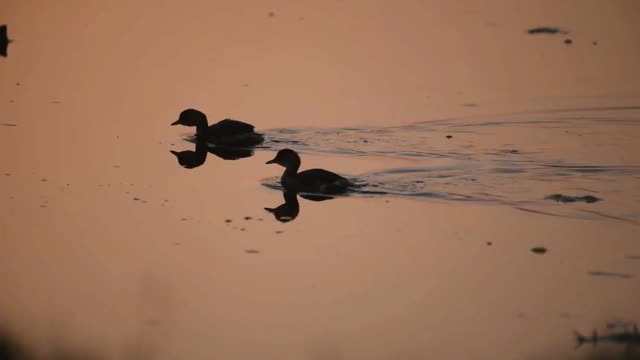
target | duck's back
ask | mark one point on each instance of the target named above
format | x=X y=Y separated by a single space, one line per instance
x=322 y=181
x=229 y=127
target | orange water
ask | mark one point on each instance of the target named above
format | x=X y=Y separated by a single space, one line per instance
x=111 y=250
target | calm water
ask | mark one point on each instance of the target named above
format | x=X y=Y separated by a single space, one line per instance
x=467 y=136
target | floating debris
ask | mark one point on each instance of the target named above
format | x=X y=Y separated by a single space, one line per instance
x=271 y=14
x=248 y=218
x=546 y=30
x=279 y=231
x=610 y=274
x=589 y=199
x=136 y=199
x=449 y=136
x=470 y=105
x=595 y=43
x=227 y=220
x=252 y=251
x=539 y=250
x=9 y=124
x=568 y=41
x=633 y=257
x=489 y=243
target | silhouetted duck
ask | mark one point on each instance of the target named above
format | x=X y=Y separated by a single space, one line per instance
x=318 y=181
x=227 y=132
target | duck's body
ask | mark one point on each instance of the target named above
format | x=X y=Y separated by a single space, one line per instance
x=317 y=181
x=227 y=132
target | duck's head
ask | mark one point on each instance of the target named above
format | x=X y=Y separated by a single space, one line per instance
x=287 y=158
x=191 y=117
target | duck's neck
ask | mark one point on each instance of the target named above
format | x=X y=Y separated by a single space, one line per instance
x=201 y=127
x=290 y=173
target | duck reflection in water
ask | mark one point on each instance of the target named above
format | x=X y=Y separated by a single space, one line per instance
x=192 y=159
x=291 y=208
x=226 y=133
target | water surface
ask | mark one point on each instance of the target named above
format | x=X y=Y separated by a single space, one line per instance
x=457 y=122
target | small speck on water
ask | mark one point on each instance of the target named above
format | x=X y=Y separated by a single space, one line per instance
x=176 y=243
x=184 y=219
x=252 y=251
x=279 y=231
x=595 y=43
x=9 y=125
x=489 y=243
x=7 y=174
x=55 y=102
x=227 y=221
x=43 y=179
x=248 y=218
x=136 y=199
x=43 y=206
x=568 y=41
x=449 y=136
x=539 y=250
x=18 y=84
x=12 y=101
x=271 y=14
x=243 y=229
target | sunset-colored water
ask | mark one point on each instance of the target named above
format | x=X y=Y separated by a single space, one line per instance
x=468 y=138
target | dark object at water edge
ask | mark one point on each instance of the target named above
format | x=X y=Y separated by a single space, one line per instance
x=589 y=199
x=4 y=40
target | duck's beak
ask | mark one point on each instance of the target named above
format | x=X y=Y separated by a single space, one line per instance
x=175 y=153
x=176 y=122
x=272 y=161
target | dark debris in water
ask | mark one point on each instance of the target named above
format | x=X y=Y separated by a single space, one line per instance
x=589 y=199
x=252 y=251
x=9 y=124
x=568 y=41
x=449 y=136
x=610 y=274
x=546 y=30
x=539 y=250
x=227 y=220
